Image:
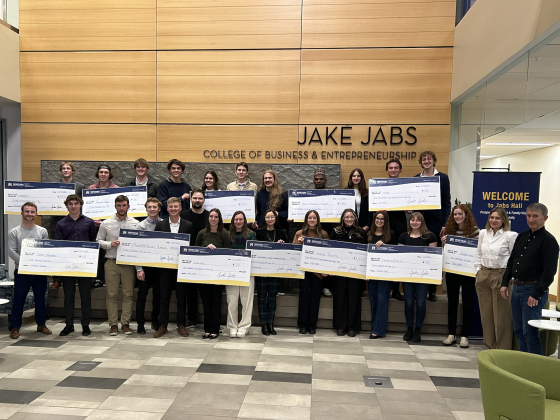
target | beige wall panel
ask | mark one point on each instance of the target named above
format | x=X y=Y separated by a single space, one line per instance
x=228 y=87
x=100 y=87
x=73 y=25
x=84 y=142
x=377 y=23
x=244 y=24
x=188 y=142
x=390 y=86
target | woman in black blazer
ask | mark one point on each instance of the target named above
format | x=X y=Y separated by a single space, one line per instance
x=357 y=182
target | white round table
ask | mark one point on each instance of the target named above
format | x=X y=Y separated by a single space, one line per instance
x=6 y=283
x=548 y=326
x=548 y=313
x=3 y=301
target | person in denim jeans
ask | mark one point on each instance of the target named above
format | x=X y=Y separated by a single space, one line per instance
x=532 y=266
x=379 y=290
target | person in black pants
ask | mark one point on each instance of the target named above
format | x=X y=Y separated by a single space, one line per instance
x=168 y=276
x=310 y=286
x=214 y=236
x=347 y=292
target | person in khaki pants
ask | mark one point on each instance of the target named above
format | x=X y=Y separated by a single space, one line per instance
x=495 y=244
x=116 y=275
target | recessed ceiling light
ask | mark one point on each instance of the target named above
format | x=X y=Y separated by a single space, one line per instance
x=518 y=144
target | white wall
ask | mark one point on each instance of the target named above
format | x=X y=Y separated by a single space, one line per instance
x=462 y=163
x=547 y=161
x=9 y=65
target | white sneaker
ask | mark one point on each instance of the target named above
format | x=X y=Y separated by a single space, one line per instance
x=327 y=292
x=241 y=333
x=464 y=344
x=449 y=341
x=233 y=334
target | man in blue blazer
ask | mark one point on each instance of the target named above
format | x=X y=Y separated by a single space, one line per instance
x=436 y=219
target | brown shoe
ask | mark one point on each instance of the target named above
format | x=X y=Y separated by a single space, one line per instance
x=182 y=331
x=56 y=284
x=43 y=329
x=160 y=332
x=126 y=329
x=14 y=334
x=114 y=330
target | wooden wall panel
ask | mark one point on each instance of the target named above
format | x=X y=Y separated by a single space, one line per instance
x=376 y=86
x=84 y=142
x=244 y=24
x=101 y=87
x=74 y=25
x=228 y=87
x=190 y=141
x=377 y=23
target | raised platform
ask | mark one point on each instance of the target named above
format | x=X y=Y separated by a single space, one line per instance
x=286 y=312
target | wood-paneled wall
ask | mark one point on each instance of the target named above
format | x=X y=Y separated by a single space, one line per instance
x=169 y=78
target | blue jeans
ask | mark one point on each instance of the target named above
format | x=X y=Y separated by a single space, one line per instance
x=22 y=283
x=379 y=292
x=415 y=292
x=527 y=336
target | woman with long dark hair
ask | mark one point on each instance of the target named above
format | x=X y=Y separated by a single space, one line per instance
x=347 y=291
x=461 y=222
x=211 y=182
x=380 y=290
x=214 y=236
x=310 y=287
x=267 y=287
x=357 y=182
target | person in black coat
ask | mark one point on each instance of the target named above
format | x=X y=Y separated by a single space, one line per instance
x=141 y=167
x=168 y=276
x=357 y=182
x=347 y=292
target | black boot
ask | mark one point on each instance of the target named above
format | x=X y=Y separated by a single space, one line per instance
x=265 y=330
x=416 y=338
x=408 y=334
x=271 y=329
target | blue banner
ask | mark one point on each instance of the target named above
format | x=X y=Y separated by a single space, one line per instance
x=513 y=191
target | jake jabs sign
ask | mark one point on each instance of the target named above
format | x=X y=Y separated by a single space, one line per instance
x=386 y=142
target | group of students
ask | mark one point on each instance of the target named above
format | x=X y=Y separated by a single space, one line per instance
x=168 y=211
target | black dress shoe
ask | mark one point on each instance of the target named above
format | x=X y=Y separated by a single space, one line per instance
x=432 y=297
x=351 y=333
x=85 y=330
x=264 y=329
x=67 y=330
x=155 y=325
x=312 y=331
x=341 y=333
x=398 y=296
x=373 y=337
x=141 y=329
x=303 y=330
x=271 y=329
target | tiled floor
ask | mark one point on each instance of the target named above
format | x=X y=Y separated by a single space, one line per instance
x=288 y=376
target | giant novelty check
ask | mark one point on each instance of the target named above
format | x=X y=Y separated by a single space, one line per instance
x=412 y=264
x=418 y=193
x=100 y=203
x=228 y=202
x=334 y=257
x=231 y=267
x=58 y=258
x=47 y=196
x=328 y=203
x=150 y=249
x=459 y=255
x=273 y=259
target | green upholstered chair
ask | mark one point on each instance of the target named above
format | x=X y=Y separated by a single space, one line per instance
x=519 y=386
x=552 y=336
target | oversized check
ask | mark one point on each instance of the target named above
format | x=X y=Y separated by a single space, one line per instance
x=227 y=266
x=150 y=249
x=459 y=255
x=100 y=203
x=334 y=257
x=328 y=203
x=418 y=193
x=48 y=196
x=411 y=264
x=228 y=202
x=273 y=259
x=58 y=258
